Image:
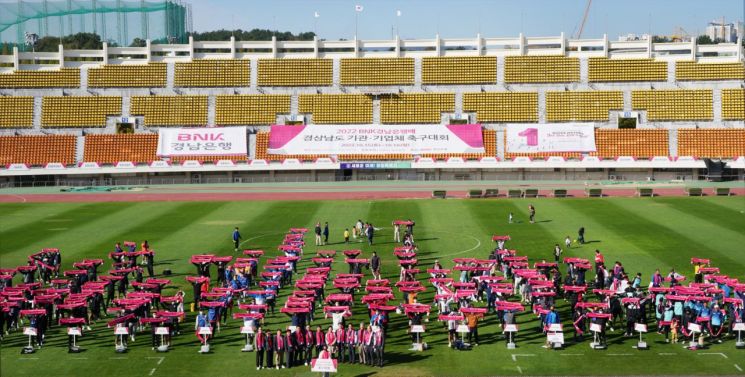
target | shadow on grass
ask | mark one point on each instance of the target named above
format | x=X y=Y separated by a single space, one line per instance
x=394 y=358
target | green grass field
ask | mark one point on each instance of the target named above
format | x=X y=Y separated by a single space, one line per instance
x=642 y=233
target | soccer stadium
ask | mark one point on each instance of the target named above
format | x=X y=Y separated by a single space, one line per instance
x=492 y=205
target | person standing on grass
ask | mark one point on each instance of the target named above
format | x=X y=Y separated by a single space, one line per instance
x=326 y=233
x=581 y=235
x=568 y=242
x=410 y=229
x=370 y=234
x=318 y=234
x=599 y=259
x=236 y=239
x=557 y=253
x=472 y=320
x=375 y=265
x=531 y=210
x=360 y=231
x=260 y=345
x=396 y=232
x=149 y=259
x=324 y=354
x=346 y=235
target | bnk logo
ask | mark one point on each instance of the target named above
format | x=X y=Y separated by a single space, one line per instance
x=201 y=137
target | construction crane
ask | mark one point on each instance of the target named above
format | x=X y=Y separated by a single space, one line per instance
x=680 y=35
x=584 y=20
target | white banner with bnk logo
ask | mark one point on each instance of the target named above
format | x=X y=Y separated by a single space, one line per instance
x=217 y=141
x=552 y=137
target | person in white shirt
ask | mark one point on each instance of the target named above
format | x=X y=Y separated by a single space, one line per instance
x=396 y=232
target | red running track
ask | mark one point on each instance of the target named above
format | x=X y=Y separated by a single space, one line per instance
x=269 y=196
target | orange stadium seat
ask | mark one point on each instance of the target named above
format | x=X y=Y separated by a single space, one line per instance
x=631 y=142
x=711 y=143
x=37 y=149
x=110 y=149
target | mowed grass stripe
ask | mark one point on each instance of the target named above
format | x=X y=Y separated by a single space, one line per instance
x=153 y=228
x=15 y=215
x=648 y=235
x=615 y=245
x=703 y=232
x=709 y=211
x=88 y=223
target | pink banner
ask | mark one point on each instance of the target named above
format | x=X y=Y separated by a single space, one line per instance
x=376 y=139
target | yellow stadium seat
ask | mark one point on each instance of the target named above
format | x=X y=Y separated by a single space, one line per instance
x=79 y=111
x=337 y=108
x=676 y=104
x=691 y=71
x=212 y=73
x=415 y=108
x=538 y=69
x=16 y=112
x=377 y=71
x=459 y=70
x=609 y=70
x=733 y=104
x=250 y=109
x=502 y=106
x=295 y=72
x=180 y=111
x=564 y=106
x=63 y=78
x=152 y=75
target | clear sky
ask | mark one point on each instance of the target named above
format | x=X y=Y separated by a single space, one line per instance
x=464 y=18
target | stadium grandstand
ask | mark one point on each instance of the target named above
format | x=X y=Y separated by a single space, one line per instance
x=243 y=111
